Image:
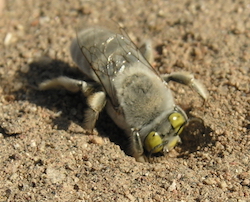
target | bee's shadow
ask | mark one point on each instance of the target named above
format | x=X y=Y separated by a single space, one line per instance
x=56 y=100
x=195 y=137
x=68 y=106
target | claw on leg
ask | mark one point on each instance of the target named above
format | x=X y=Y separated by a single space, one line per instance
x=189 y=80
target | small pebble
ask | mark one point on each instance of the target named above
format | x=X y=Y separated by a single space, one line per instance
x=222 y=184
x=88 y=164
x=97 y=140
x=246 y=182
x=33 y=143
x=25 y=69
x=7 y=39
x=172 y=187
x=209 y=181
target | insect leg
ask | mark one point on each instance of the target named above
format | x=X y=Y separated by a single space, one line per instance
x=96 y=102
x=189 y=80
x=137 y=148
x=69 y=84
x=147 y=51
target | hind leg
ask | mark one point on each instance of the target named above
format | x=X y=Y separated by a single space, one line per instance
x=96 y=100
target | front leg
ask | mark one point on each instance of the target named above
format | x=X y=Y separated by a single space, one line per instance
x=137 y=147
x=189 y=80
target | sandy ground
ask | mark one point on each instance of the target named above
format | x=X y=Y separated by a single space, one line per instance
x=45 y=155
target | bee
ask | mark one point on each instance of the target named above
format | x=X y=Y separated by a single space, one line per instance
x=135 y=95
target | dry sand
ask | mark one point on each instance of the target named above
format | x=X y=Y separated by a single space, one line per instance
x=45 y=155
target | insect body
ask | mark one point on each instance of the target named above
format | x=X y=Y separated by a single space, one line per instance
x=136 y=97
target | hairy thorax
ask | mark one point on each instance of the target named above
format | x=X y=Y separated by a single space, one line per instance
x=138 y=94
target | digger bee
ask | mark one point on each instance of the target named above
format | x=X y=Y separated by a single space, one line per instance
x=134 y=94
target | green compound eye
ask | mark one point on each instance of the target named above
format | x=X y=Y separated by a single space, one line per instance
x=177 y=121
x=152 y=141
